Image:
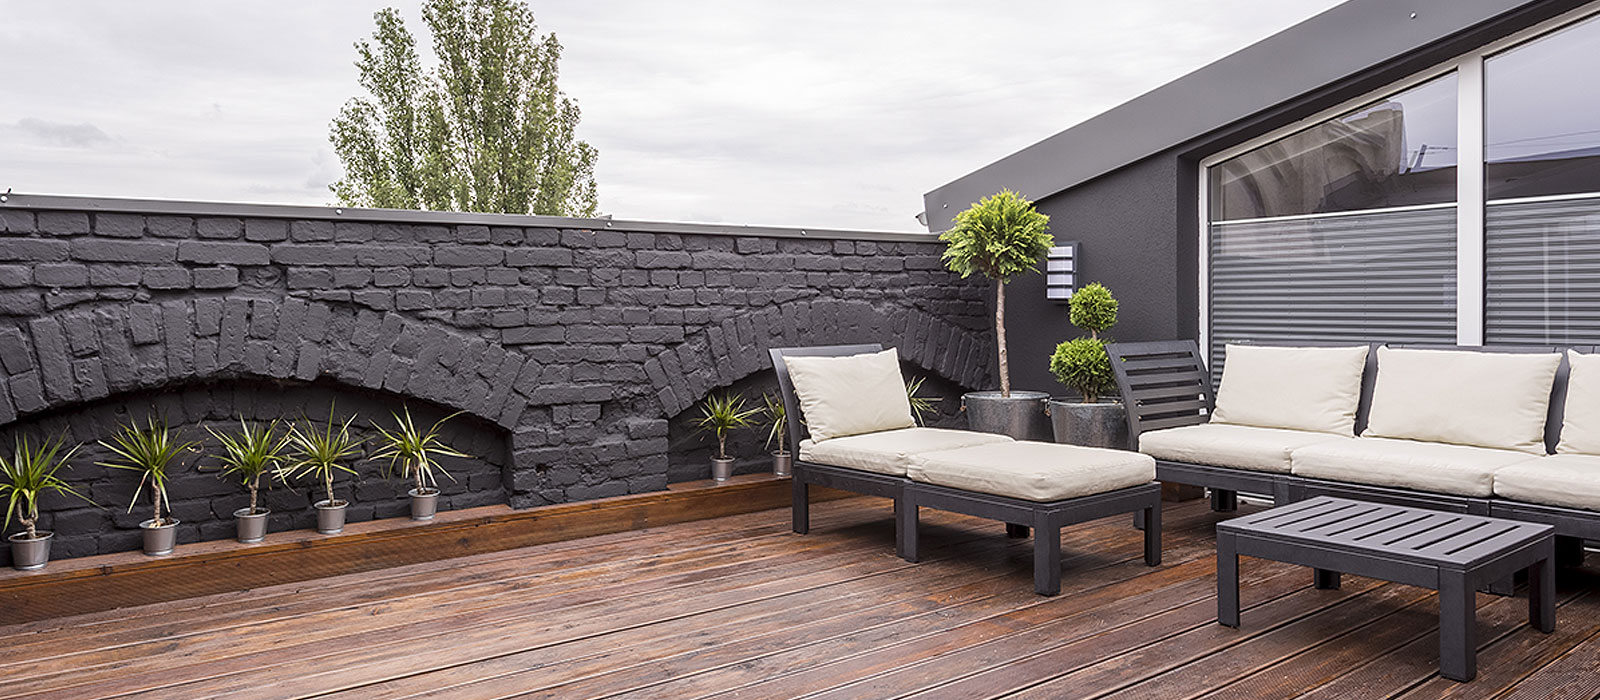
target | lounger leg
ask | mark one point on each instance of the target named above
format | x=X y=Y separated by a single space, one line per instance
x=1458 y=646
x=1015 y=531
x=1542 y=593
x=1152 y=532
x=801 y=505
x=1324 y=579
x=1138 y=518
x=1224 y=501
x=1046 y=556
x=1227 y=581
x=905 y=526
x=1569 y=551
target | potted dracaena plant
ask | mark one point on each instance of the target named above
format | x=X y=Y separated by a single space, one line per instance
x=719 y=416
x=28 y=475
x=415 y=454
x=1082 y=365
x=920 y=405
x=152 y=452
x=255 y=451
x=775 y=416
x=1000 y=237
x=318 y=454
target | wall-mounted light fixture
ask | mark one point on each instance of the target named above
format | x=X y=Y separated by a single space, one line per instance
x=1061 y=272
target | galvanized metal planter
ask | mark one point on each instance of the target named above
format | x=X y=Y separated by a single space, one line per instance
x=252 y=527
x=30 y=554
x=160 y=540
x=721 y=469
x=1100 y=424
x=424 y=503
x=1022 y=415
x=782 y=464
x=330 y=516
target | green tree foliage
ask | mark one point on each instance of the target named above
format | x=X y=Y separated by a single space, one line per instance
x=1082 y=363
x=1093 y=309
x=486 y=131
x=1000 y=237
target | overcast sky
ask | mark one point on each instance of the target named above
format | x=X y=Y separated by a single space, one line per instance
x=825 y=113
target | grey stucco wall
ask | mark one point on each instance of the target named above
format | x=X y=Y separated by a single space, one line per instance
x=570 y=349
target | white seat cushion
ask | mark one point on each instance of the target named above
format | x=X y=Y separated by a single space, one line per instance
x=1238 y=446
x=1314 y=389
x=1033 y=471
x=1485 y=399
x=889 y=452
x=850 y=395
x=1423 y=466
x=1570 y=481
x=1580 y=427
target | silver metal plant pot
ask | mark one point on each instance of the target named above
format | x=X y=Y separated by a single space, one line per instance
x=721 y=469
x=424 y=503
x=1101 y=424
x=1022 y=415
x=252 y=527
x=782 y=464
x=330 y=516
x=160 y=541
x=26 y=554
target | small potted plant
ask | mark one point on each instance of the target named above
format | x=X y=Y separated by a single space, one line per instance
x=1082 y=365
x=1000 y=237
x=317 y=454
x=151 y=451
x=256 y=450
x=415 y=452
x=776 y=417
x=29 y=474
x=720 y=415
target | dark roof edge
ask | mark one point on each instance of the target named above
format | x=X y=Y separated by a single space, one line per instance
x=1350 y=38
x=163 y=207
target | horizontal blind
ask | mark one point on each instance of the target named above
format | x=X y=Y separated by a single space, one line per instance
x=1383 y=276
x=1542 y=272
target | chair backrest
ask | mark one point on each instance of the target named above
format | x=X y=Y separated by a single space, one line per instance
x=1164 y=384
x=1558 y=391
x=791 y=404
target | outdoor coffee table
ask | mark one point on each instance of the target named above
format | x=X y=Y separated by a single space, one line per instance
x=1451 y=553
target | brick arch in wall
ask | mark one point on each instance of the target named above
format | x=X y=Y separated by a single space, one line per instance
x=88 y=352
x=723 y=353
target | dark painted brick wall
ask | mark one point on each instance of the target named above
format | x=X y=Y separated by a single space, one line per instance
x=569 y=349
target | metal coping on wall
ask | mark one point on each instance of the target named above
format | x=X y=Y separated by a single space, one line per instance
x=163 y=207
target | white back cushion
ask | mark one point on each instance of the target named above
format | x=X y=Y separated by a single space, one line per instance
x=850 y=395
x=1314 y=389
x=1485 y=399
x=1580 y=428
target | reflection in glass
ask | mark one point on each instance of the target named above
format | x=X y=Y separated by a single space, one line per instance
x=1398 y=152
x=1542 y=115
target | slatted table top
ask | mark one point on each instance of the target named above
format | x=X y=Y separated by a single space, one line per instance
x=1399 y=532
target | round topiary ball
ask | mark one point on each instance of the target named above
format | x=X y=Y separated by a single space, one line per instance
x=1082 y=364
x=1093 y=308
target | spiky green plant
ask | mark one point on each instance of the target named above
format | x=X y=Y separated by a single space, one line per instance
x=29 y=474
x=149 y=450
x=776 y=417
x=999 y=237
x=920 y=405
x=318 y=453
x=414 y=451
x=720 y=415
x=256 y=450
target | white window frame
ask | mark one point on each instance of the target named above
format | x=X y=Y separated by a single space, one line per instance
x=1470 y=201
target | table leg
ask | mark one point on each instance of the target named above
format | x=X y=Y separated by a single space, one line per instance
x=1458 y=646
x=800 y=505
x=1152 y=533
x=1227 y=581
x=1326 y=580
x=1542 y=592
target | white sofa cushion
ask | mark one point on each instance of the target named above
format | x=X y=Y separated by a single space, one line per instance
x=1567 y=480
x=1580 y=426
x=889 y=452
x=1238 y=446
x=1034 y=471
x=1423 y=466
x=1484 y=399
x=1314 y=389
x=850 y=395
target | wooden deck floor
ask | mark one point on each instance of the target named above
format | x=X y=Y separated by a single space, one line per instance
x=738 y=607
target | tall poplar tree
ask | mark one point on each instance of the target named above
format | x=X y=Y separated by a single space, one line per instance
x=485 y=131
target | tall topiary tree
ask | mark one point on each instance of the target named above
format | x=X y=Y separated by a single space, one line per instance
x=1000 y=237
x=486 y=131
x=1082 y=363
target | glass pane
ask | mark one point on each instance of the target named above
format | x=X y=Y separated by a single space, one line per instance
x=1542 y=115
x=1542 y=270
x=1398 y=152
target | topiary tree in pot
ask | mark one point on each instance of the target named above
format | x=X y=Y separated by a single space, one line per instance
x=1082 y=364
x=1000 y=237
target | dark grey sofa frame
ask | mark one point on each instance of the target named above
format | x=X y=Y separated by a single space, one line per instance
x=1046 y=519
x=1165 y=384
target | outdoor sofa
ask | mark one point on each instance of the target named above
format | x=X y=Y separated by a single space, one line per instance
x=1509 y=432
x=848 y=415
